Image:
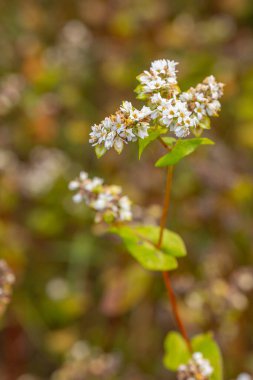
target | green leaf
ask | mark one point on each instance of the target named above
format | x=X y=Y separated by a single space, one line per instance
x=176 y=351
x=169 y=141
x=205 y=123
x=143 y=143
x=205 y=343
x=141 y=243
x=181 y=149
x=172 y=244
x=100 y=150
x=138 y=90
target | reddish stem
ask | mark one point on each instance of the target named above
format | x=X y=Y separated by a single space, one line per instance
x=166 y=277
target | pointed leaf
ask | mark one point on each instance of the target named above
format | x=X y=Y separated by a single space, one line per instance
x=143 y=143
x=181 y=149
x=205 y=343
x=176 y=351
x=169 y=141
x=172 y=244
x=141 y=243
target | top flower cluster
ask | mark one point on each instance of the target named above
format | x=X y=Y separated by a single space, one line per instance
x=179 y=112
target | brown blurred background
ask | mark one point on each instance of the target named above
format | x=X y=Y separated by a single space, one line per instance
x=81 y=307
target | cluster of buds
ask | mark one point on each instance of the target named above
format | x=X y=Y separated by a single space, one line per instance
x=108 y=202
x=180 y=112
x=6 y=282
x=197 y=368
x=127 y=124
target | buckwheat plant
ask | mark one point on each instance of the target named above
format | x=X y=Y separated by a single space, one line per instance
x=175 y=119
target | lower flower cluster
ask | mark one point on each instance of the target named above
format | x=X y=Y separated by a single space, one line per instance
x=198 y=368
x=108 y=202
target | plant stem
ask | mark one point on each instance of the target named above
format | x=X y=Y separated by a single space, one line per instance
x=166 y=277
x=166 y=205
x=163 y=143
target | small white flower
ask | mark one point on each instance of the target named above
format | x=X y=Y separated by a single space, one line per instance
x=180 y=130
x=182 y=367
x=125 y=215
x=200 y=97
x=199 y=110
x=97 y=134
x=197 y=356
x=102 y=201
x=83 y=176
x=156 y=98
x=154 y=84
x=162 y=66
x=191 y=121
x=159 y=65
x=128 y=134
x=93 y=184
x=144 y=112
x=107 y=123
x=74 y=185
x=213 y=108
x=125 y=209
x=119 y=124
x=109 y=140
x=145 y=77
x=126 y=107
x=244 y=376
x=77 y=198
x=142 y=131
x=186 y=96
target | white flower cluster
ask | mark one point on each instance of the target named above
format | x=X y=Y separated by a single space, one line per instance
x=198 y=368
x=107 y=201
x=189 y=109
x=161 y=77
x=126 y=125
x=179 y=112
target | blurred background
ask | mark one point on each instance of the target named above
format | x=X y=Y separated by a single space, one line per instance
x=81 y=307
